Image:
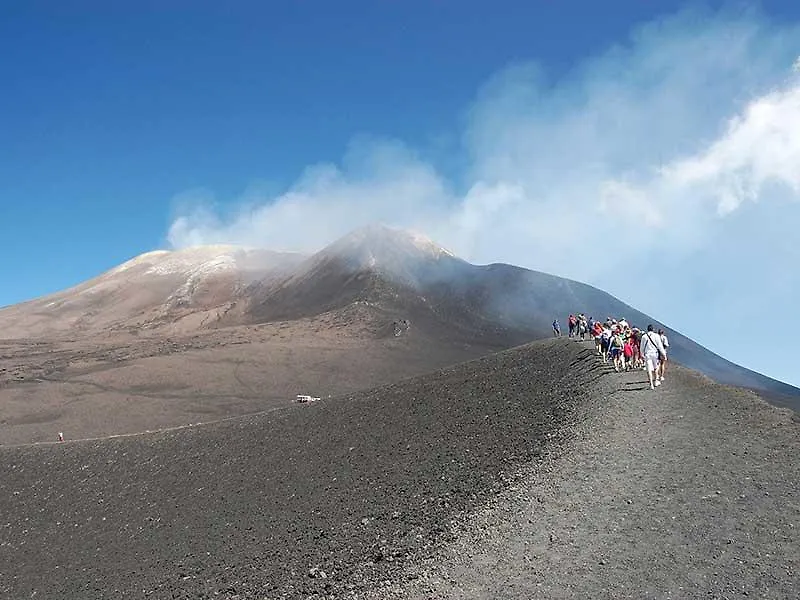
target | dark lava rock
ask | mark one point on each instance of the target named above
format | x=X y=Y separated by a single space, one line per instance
x=311 y=499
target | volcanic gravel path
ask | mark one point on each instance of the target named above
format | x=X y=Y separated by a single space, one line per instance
x=688 y=491
x=320 y=500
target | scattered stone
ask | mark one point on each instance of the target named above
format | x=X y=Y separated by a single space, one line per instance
x=317 y=573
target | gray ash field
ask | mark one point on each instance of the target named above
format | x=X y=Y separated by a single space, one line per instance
x=536 y=472
x=324 y=499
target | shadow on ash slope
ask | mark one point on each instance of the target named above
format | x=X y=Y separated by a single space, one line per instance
x=350 y=486
x=384 y=493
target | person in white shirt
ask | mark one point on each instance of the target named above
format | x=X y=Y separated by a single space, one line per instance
x=605 y=339
x=663 y=363
x=652 y=350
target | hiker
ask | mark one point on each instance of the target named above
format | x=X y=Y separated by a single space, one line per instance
x=556 y=328
x=627 y=353
x=597 y=331
x=636 y=340
x=583 y=328
x=663 y=364
x=615 y=348
x=653 y=351
x=605 y=338
x=571 y=321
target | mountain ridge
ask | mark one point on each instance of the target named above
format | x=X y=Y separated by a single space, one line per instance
x=406 y=275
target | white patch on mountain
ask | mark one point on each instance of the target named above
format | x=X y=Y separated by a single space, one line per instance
x=186 y=261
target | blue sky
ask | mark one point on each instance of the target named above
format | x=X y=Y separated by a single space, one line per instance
x=646 y=148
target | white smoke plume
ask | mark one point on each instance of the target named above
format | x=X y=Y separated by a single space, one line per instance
x=666 y=171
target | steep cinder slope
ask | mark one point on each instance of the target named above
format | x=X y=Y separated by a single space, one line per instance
x=353 y=487
x=689 y=491
x=530 y=300
x=392 y=272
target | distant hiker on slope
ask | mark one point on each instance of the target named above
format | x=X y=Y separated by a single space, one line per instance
x=571 y=323
x=627 y=353
x=556 y=329
x=663 y=364
x=636 y=341
x=615 y=349
x=597 y=332
x=582 y=326
x=652 y=350
x=605 y=339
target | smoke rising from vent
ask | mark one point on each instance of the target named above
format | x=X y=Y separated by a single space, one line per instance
x=663 y=171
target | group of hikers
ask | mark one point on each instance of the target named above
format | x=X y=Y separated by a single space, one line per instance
x=625 y=346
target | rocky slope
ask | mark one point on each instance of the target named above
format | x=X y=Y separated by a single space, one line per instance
x=322 y=499
x=535 y=472
x=685 y=492
x=372 y=271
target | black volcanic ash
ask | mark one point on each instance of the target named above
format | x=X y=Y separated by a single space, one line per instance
x=354 y=486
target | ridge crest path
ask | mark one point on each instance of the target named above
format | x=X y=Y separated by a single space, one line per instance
x=688 y=491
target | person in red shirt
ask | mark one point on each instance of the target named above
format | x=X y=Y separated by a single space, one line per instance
x=627 y=352
x=596 y=331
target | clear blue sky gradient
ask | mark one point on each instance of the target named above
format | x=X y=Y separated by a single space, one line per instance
x=108 y=110
x=107 y=113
